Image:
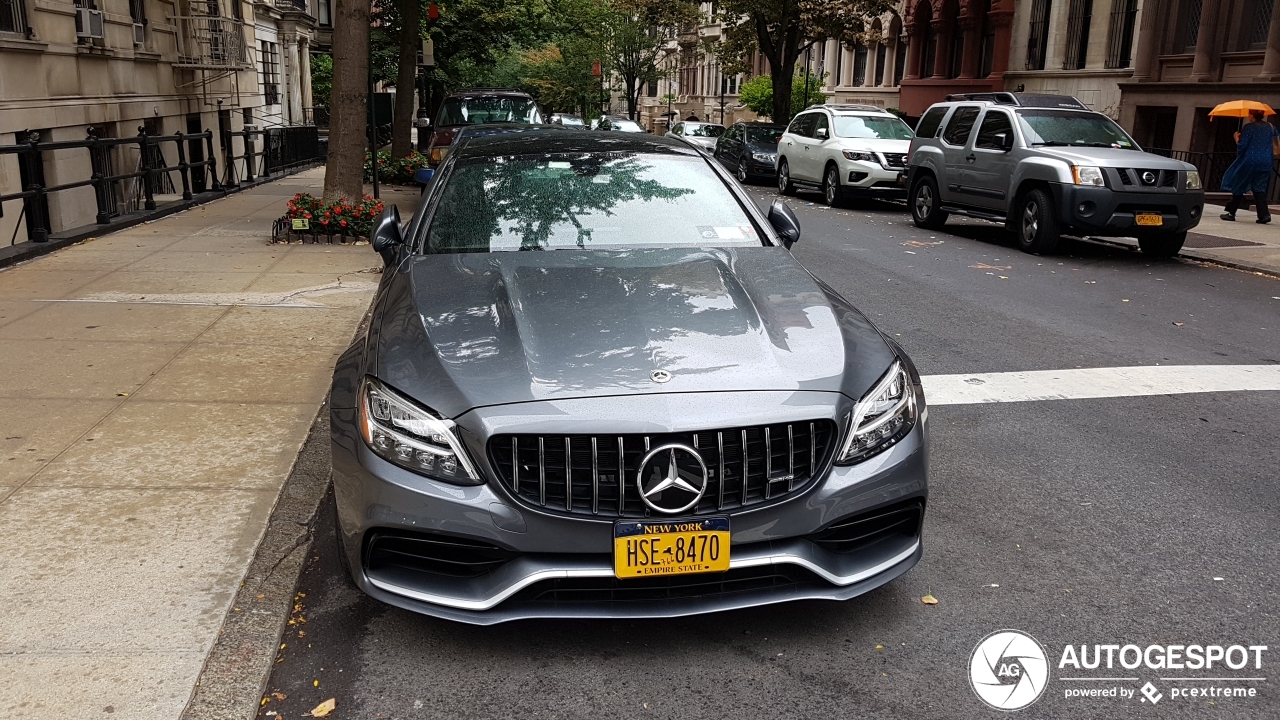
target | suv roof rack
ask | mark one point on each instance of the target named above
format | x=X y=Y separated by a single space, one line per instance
x=1022 y=99
x=855 y=107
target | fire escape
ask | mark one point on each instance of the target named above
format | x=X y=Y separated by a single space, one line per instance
x=212 y=49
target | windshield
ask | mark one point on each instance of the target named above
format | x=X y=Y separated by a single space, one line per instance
x=597 y=201
x=626 y=126
x=569 y=120
x=477 y=110
x=768 y=136
x=1063 y=127
x=872 y=128
x=703 y=130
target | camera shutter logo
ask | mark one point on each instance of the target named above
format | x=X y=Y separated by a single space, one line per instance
x=1008 y=670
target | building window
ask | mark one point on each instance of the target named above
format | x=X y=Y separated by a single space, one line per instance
x=137 y=11
x=1124 y=15
x=930 y=50
x=1037 y=41
x=270 y=73
x=957 y=54
x=859 y=65
x=1259 y=26
x=322 y=13
x=1079 y=15
x=13 y=17
x=882 y=54
x=1188 y=26
x=900 y=60
x=988 y=52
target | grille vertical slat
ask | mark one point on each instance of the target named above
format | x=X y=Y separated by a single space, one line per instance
x=759 y=453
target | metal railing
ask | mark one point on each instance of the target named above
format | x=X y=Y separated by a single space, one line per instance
x=212 y=43
x=268 y=151
x=146 y=178
x=1213 y=165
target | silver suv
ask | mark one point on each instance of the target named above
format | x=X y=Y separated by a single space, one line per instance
x=1045 y=165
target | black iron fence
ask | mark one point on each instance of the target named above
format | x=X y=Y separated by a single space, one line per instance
x=268 y=151
x=1213 y=165
x=148 y=172
x=151 y=176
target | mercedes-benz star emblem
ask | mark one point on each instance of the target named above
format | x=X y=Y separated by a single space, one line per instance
x=659 y=376
x=672 y=478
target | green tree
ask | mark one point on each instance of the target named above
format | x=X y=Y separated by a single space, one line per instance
x=781 y=30
x=321 y=79
x=635 y=35
x=757 y=94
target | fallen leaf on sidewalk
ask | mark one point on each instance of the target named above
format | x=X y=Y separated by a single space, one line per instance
x=122 y=394
x=279 y=695
x=929 y=600
x=1179 y=324
x=324 y=708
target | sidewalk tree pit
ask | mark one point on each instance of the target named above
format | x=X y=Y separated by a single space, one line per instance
x=310 y=217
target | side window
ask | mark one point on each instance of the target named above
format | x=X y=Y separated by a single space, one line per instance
x=808 y=123
x=797 y=125
x=960 y=125
x=928 y=125
x=821 y=124
x=677 y=130
x=994 y=124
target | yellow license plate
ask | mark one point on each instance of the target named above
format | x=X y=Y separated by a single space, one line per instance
x=1151 y=219
x=648 y=548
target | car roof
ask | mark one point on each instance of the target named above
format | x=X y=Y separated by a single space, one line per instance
x=855 y=108
x=758 y=124
x=483 y=129
x=488 y=92
x=536 y=143
x=1026 y=100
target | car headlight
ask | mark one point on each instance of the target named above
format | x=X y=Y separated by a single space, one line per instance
x=862 y=156
x=764 y=157
x=412 y=437
x=1193 y=179
x=881 y=418
x=1086 y=175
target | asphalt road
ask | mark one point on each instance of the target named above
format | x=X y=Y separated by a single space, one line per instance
x=1144 y=520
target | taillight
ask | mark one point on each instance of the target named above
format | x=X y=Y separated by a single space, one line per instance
x=438 y=148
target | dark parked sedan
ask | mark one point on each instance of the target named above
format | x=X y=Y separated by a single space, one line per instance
x=750 y=149
x=596 y=383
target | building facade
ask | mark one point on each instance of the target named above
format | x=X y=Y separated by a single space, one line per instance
x=74 y=69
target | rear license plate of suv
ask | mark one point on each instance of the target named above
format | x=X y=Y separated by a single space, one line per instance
x=670 y=547
x=1149 y=219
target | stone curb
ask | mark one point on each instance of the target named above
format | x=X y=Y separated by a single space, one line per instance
x=1198 y=256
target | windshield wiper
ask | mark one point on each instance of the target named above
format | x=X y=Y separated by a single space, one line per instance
x=1052 y=143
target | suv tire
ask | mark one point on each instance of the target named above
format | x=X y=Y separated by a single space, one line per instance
x=832 y=193
x=785 y=186
x=1035 y=224
x=1162 y=246
x=926 y=204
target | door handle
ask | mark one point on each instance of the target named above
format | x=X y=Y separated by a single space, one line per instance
x=970 y=157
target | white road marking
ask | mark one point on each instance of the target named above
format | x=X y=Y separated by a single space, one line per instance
x=1079 y=384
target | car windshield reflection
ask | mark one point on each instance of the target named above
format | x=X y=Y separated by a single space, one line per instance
x=586 y=201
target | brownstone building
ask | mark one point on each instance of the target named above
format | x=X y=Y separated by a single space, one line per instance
x=954 y=46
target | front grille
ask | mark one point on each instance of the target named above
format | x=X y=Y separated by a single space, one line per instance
x=580 y=474
x=1133 y=178
x=895 y=160
x=901 y=520
x=596 y=591
x=432 y=553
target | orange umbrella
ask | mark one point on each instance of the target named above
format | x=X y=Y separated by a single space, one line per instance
x=1240 y=109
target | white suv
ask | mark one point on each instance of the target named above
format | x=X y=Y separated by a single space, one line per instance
x=846 y=151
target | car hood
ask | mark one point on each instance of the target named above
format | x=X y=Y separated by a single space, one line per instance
x=461 y=331
x=1115 y=158
x=874 y=145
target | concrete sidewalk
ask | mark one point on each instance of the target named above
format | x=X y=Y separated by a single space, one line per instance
x=157 y=386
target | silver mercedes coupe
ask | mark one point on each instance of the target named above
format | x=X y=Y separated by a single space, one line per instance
x=596 y=384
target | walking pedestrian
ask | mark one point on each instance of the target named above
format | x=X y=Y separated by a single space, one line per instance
x=1251 y=170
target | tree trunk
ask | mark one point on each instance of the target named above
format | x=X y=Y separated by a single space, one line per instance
x=344 y=172
x=410 y=43
x=633 y=97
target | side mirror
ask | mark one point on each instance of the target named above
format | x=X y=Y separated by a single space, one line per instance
x=784 y=222
x=423 y=175
x=1004 y=141
x=386 y=234
x=821 y=133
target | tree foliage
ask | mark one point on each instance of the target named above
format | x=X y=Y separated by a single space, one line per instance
x=321 y=79
x=757 y=93
x=781 y=30
x=634 y=38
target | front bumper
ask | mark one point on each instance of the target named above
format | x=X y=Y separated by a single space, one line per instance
x=1103 y=211
x=774 y=555
x=872 y=178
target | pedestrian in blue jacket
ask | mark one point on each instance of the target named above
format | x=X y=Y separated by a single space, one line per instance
x=1251 y=170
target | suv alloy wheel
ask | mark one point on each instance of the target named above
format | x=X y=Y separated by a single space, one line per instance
x=926 y=209
x=785 y=186
x=1036 y=225
x=831 y=190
